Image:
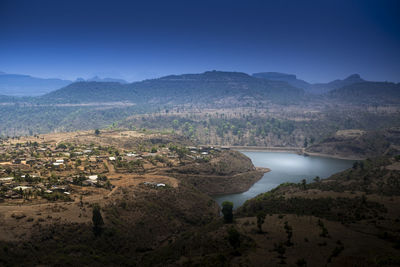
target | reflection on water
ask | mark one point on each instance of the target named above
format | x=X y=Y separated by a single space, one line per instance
x=285 y=167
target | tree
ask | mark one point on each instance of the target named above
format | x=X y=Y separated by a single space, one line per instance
x=260 y=220
x=97 y=132
x=97 y=220
x=227 y=208
x=355 y=165
x=304 y=184
x=305 y=142
x=175 y=124
x=181 y=153
x=317 y=179
x=62 y=146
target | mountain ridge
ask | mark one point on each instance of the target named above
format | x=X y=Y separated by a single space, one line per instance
x=213 y=85
x=26 y=85
x=313 y=88
x=21 y=85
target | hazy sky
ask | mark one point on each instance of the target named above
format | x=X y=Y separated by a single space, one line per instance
x=317 y=40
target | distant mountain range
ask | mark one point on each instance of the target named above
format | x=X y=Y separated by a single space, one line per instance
x=207 y=87
x=317 y=88
x=221 y=87
x=25 y=85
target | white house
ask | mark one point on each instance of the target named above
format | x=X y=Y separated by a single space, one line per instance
x=93 y=177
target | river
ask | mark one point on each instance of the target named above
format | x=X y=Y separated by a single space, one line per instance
x=285 y=167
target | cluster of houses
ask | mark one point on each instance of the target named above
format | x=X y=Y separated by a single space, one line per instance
x=13 y=188
x=31 y=169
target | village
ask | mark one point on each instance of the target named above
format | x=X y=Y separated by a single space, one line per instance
x=40 y=170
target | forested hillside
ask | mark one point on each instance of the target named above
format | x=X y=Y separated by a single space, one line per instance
x=368 y=92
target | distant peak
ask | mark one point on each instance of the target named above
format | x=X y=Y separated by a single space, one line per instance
x=354 y=77
x=225 y=73
x=275 y=75
x=214 y=75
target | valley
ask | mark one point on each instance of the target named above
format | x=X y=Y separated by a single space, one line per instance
x=200 y=133
x=137 y=174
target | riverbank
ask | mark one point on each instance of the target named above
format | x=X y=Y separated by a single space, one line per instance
x=333 y=156
x=294 y=150
x=218 y=185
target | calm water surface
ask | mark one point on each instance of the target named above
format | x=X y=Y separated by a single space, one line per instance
x=285 y=167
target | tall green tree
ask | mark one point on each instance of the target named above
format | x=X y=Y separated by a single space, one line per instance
x=97 y=220
x=260 y=220
x=304 y=184
x=227 y=211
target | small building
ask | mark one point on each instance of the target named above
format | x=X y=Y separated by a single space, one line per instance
x=93 y=177
x=92 y=159
x=58 y=165
x=23 y=188
x=6 y=179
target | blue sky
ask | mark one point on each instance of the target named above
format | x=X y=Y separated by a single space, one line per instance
x=317 y=40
